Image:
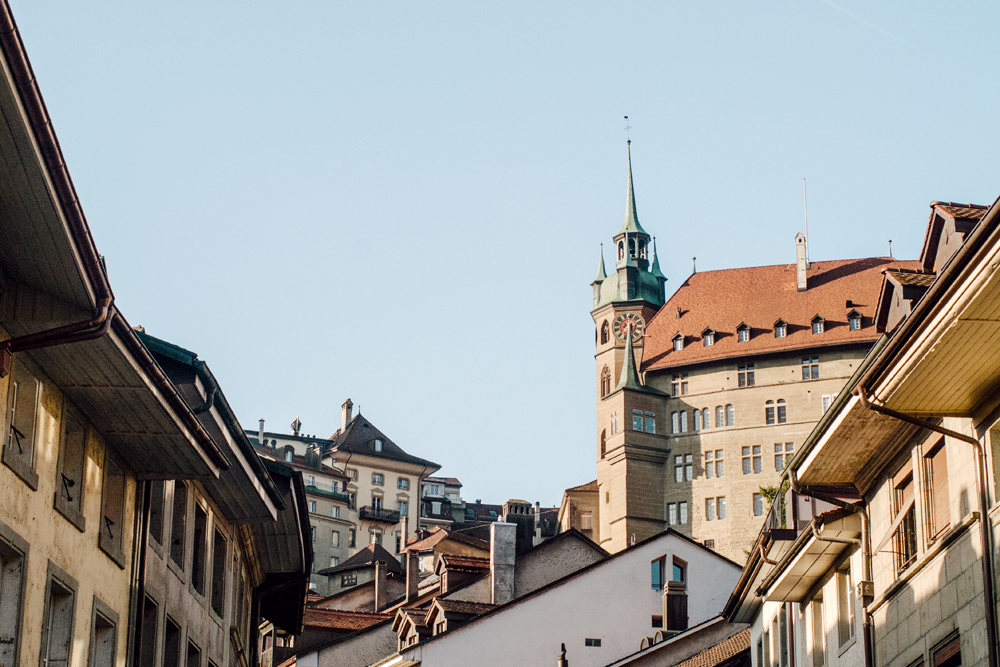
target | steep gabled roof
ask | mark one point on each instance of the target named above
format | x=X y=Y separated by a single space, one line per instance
x=721 y=652
x=366 y=558
x=759 y=296
x=359 y=438
x=437 y=535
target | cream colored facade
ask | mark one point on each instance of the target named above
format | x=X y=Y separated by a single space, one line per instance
x=54 y=549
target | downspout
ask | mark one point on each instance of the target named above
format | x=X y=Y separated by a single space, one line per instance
x=984 y=524
x=864 y=544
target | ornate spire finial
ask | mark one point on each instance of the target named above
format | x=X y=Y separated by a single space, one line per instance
x=601 y=273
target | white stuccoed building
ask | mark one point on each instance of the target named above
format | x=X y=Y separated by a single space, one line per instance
x=601 y=612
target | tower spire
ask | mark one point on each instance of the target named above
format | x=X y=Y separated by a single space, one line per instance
x=657 y=273
x=630 y=373
x=631 y=223
x=601 y=273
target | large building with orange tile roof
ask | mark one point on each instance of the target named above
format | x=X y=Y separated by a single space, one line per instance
x=701 y=406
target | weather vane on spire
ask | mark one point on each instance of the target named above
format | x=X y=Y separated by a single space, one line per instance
x=628 y=130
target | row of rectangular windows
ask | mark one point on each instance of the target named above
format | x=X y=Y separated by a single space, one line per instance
x=752 y=460
x=743 y=331
x=715 y=509
x=23 y=400
x=745 y=376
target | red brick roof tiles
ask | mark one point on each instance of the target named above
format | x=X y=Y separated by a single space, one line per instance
x=336 y=619
x=721 y=652
x=589 y=486
x=759 y=296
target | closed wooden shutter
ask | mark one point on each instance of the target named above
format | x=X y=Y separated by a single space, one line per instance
x=937 y=484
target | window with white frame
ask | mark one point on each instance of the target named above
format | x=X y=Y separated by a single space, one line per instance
x=854 y=320
x=335 y=512
x=780 y=329
x=684 y=421
x=650 y=419
x=312 y=505
x=758 y=504
x=637 y=420
x=378 y=444
x=403 y=507
x=708 y=338
x=671 y=514
x=827 y=401
x=378 y=478
x=818 y=325
x=742 y=333
x=720 y=419
x=845 y=604
x=678 y=343
x=730 y=415
x=675 y=422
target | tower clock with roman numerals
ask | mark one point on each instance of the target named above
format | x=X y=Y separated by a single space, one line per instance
x=626 y=321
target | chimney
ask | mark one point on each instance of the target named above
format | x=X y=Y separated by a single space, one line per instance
x=502 y=553
x=675 y=606
x=538 y=524
x=380 y=586
x=801 y=263
x=345 y=414
x=313 y=457
x=260 y=433
x=412 y=576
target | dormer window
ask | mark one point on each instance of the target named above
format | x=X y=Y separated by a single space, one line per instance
x=678 y=342
x=854 y=320
x=818 y=325
x=378 y=444
x=708 y=337
x=780 y=329
x=742 y=333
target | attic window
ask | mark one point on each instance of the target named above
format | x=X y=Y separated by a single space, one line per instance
x=378 y=444
x=780 y=329
x=818 y=325
x=854 y=319
x=678 y=343
x=708 y=338
x=742 y=333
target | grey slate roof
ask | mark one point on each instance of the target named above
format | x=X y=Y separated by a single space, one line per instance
x=359 y=438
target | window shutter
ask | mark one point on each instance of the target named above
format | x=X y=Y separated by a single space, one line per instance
x=937 y=474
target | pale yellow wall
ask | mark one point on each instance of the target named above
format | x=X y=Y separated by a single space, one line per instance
x=50 y=536
x=637 y=482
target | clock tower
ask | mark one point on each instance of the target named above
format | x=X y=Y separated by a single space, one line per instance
x=631 y=447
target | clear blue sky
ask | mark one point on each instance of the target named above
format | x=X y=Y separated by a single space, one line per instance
x=402 y=202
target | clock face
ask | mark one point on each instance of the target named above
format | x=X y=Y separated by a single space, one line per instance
x=629 y=321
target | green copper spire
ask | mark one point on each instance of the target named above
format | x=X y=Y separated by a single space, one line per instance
x=656 y=263
x=601 y=273
x=631 y=223
x=630 y=374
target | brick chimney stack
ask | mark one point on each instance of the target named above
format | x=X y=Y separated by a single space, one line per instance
x=502 y=554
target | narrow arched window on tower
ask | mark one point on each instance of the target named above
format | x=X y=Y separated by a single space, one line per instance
x=621 y=250
x=605 y=333
x=604 y=443
x=642 y=250
x=605 y=382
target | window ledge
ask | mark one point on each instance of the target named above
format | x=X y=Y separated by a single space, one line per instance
x=112 y=550
x=175 y=568
x=20 y=468
x=71 y=514
x=921 y=561
x=845 y=647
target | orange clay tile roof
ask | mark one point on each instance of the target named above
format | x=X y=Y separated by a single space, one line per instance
x=589 y=486
x=911 y=278
x=336 y=619
x=439 y=534
x=465 y=563
x=760 y=296
x=721 y=652
x=964 y=211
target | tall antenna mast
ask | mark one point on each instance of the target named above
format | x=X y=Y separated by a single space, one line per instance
x=628 y=130
x=805 y=205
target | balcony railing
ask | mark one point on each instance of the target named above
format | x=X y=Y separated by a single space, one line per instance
x=326 y=493
x=369 y=513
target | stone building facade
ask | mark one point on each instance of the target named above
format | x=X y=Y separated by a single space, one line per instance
x=703 y=397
